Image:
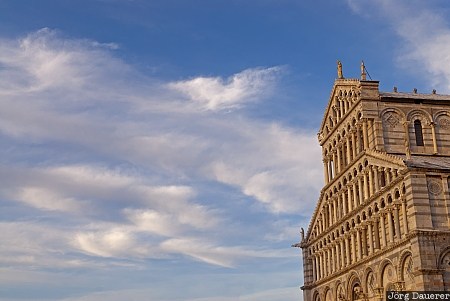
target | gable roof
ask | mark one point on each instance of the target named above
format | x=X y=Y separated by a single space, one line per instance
x=340 y=83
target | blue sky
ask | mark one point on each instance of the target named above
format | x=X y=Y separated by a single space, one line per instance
x=167 y=150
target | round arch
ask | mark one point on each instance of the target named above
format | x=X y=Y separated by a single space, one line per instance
x=418 y=114
x=405 y=270
x=354 y=287
x=369 y=283
x=387 y=274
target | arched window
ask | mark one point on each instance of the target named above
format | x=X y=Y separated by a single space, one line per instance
x=418 y=131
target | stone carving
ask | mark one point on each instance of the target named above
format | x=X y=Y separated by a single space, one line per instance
x=434 y=187
x=445 y=263
x=391 y=120
x=444 y=123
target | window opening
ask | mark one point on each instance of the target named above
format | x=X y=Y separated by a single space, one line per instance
x=418 y=131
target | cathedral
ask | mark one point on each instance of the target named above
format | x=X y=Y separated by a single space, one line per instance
x=382 y=221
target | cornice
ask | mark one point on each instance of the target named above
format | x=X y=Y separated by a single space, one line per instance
x=385 y=156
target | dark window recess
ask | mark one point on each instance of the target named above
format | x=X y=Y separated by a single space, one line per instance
x=418 y=131
x=383 y=179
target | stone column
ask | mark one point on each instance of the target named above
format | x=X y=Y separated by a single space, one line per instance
x=317 y=260
x=358 y=138
x=383 y=229
x=376 y=233
x=375 y=178
x=334 y=169
x=353 y=243
x=355 y=194
x=365 y=134
x=327 y=261
x=338 y=257
x=390 y=226
x=370 y=180
x=330 y=169
x=341 y=212
x=344 y=202
x=349 y=198
x=333 y=200
x=360 y=189
x=364 y=240
x=333 y=259
x=321 y=265
x=330 y=259
x=353 y=132
x=347 y=249
x=407 y=142
x=330 y=214
x=349 y=156
x=405 y=216
x=325 y=171
x=359 y=243
x=339 y=160
x=388 y=176
x=366 y=186
x=369 y=229
x=313 y=260
x=433 y=132
x=397 y=222
x=372 y=130
x=342 y=251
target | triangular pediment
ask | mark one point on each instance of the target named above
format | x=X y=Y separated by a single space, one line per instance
x=344 y=94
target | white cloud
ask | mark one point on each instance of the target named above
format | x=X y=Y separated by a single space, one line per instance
x=425 y=37
x=42 y=198
x=276 y=164
x=218 y=255
x=215 y=93
x=126 y=169
x=116 y=242
x=155 y=222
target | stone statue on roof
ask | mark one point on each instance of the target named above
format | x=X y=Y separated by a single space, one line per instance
x=339 y=70
x=363 y=71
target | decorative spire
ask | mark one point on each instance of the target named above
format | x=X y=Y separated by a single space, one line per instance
x=363 y=71
x=339 y=70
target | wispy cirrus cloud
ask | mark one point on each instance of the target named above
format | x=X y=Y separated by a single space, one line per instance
x=122 y=168
x=424 y=32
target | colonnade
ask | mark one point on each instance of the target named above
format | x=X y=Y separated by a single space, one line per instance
x=352 y=194
x=355 y=140
x=362 y=240
x=343 y=102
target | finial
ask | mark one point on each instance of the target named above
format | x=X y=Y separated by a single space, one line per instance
x=363 y=71
x=434 y=91
x=339 y=70
x=395 y=89
x=415 y=90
